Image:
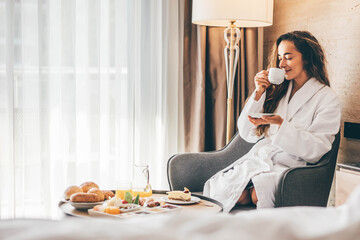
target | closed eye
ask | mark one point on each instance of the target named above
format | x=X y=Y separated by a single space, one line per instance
x=287 y=58
x=286 y=55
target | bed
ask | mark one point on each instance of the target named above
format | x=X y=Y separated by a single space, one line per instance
x=315 y=223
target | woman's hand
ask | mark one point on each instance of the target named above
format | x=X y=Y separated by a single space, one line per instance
x=261 y=81
x=276 y=119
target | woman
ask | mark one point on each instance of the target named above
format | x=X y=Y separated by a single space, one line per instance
x=307 y=116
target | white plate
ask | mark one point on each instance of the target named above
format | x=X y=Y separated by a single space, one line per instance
x=192 y=200
x=259 y=115
x=102 y=214
x=124 y=213
x=84 y=205
x=137 y=212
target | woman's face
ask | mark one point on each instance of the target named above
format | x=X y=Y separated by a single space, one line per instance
x=291 y=61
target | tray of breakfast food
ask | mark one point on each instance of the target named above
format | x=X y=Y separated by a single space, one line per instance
x=88 y=200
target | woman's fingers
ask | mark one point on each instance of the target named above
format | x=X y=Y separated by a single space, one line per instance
x=263 y=72
x=262 y=75
x=261 y=80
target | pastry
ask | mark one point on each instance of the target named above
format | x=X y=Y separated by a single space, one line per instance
x=84 y=197
x=86 y=186
x=97 y=192
x=180 y=195
x=70 y=191
x=108 y=194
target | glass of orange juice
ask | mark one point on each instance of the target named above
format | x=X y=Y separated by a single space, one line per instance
x=121 y=188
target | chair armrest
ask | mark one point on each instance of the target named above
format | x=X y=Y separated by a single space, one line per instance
x=309 y=185
x=304 y=186
x=192 y=170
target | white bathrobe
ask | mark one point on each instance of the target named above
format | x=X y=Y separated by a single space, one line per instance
x=311 y=121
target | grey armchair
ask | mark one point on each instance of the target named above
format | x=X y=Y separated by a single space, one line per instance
x=299 y=186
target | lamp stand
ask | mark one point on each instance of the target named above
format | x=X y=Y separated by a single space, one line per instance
x=231 y=53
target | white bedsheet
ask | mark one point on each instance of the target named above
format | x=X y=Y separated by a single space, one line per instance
x=269 y=224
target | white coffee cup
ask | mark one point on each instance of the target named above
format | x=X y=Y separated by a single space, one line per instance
x=276 y=75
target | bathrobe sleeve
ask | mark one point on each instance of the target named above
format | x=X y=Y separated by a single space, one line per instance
x=246 y=128
x=312 y=143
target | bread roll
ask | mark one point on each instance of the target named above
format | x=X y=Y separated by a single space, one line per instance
x=97 y=192
x=70 y=191
x=86 y=186
x=108 y=194
x=84 y=197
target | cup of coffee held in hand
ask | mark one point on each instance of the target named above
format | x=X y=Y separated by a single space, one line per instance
x=276 y=75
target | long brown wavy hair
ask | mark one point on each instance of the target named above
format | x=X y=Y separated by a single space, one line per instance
x=314 y=61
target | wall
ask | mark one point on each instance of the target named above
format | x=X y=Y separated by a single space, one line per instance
x=336 y=24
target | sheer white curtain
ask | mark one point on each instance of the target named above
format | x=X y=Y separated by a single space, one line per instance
x=87 y=88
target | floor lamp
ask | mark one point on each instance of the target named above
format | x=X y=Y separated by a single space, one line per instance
x=232 y=14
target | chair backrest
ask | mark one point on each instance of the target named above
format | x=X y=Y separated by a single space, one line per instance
x=238 y=145
x=194 y=169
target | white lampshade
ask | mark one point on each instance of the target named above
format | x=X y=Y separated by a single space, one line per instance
x=247 y=13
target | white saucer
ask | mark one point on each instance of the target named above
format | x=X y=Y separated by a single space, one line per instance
x=259 y=115
x=84 y=205
x=193 y=200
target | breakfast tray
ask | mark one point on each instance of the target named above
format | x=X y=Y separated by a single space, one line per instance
x=205 y=205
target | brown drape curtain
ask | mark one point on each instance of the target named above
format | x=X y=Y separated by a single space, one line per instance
x=205 y=82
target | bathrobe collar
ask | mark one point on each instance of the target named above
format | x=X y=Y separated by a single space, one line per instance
x=304 y=94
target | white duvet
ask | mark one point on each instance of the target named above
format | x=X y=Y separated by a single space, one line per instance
x=269 y=224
